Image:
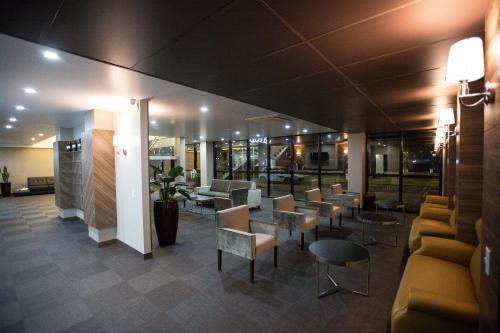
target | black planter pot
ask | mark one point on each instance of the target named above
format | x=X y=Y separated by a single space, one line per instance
x=166 y=221
x=5 y=189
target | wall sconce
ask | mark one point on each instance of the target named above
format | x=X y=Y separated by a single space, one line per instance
x=466 y=63
x=118 y=142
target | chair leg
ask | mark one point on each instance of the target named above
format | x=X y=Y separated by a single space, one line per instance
x=252 y=262
x=352 y=209
x=316 y=232
x=359 y=209
x=275 y=256
x=290 y=232
x=302 y=241
x=331 y=221
x=219 y=260
x=340 y=220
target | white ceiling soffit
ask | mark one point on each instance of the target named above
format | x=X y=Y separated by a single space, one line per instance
x=71 y=85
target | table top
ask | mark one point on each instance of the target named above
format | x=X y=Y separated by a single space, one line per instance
x=380 y=218
x=201 y=198
x=338 y=252
x=388 y=203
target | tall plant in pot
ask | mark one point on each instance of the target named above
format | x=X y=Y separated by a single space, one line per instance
x=166 y=208
x=5 y=185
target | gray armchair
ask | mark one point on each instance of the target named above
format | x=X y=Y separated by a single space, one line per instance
x=349 y=199
x=326 y=209
x=291 y=217
x=238 y=235
x=237 y=197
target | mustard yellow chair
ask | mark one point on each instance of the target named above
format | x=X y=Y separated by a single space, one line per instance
x=291 y=217
x=439 y=288
x=238 y=235
x=325 y=208
x=435 y=201
x=435 y=222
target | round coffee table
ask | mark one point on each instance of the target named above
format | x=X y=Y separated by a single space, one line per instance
x=384 y=220
x=339 y=253
x=391 y=204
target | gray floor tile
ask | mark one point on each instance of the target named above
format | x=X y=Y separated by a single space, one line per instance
x=171 y=294
x=58 y=319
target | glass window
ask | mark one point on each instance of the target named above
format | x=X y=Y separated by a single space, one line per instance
x=383 y=167
x=421 y=168
x=280 y=175
x=240 y=160
x=258 y=164
x=222 y=160
x=333 y=161
x=306 y=164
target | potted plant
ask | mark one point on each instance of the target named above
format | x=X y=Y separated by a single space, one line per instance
x=5 y=185
x=166 y=208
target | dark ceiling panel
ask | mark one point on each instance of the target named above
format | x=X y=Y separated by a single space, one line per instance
x=27 y=19
x=314 y=17
x=124 y=32
x=409 y=27
x=241 y=33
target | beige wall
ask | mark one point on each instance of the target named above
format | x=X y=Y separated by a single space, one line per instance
x=26 y=162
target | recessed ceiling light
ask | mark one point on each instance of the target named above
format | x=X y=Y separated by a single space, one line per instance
x=286 y=139
x=329 y=136
x=8 y=126
x=287 y=126
x=32 y=139
x=194 y=140
x=40 y=134
x=257 y=135
x=201 y=137
x=237 y=132
x=153 y=122
x=304 y=130
x=29 y=90
x=51 y=55
x=12 y=119
x=204 y=109
x=221 y=139
x=20 y=107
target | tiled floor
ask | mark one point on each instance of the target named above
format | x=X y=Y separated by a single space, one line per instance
x=53 y=278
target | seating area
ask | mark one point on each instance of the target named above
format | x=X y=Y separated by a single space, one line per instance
x=37 y=185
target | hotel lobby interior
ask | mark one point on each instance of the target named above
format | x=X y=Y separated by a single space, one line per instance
x=250 y=165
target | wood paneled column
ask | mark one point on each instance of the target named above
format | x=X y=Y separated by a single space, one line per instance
x=451 y=158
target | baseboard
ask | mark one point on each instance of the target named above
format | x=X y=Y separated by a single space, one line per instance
x=144 y=256
x=105 y=243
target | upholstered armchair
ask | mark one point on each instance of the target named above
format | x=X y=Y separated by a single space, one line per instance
x=238 y=235
x=326 y=209
x=237 y=197
x=291 y=217
x=349 y=199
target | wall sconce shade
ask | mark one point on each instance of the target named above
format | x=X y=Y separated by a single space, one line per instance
x=446 y=117
x=465 y=61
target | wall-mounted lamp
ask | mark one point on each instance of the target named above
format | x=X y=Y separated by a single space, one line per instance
x=118 y=142
x=465 y=64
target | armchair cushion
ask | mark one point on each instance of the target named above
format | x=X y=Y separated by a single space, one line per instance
x=234 y=218
x=446 y=249
x=428 y=227
x=442 y=215
x=437 y=199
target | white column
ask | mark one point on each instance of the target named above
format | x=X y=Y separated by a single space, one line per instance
x=182 y=157
x=206 y=163
x=132 y=178
x=356 y=158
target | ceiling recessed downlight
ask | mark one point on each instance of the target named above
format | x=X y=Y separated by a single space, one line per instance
x=33 y=139
x=287 y=126
x=201 y=137
x=20 y=107
x=51 y=55
x=40 y=134
x=305 y=130
x=12 y=119
x=221 y=139
x=204 y=109
x=237 y=132
x=30 y=90
x=153 y=122
x=8 y=126
x=257 y=135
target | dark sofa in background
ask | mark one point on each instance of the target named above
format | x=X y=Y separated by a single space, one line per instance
x=37 y=185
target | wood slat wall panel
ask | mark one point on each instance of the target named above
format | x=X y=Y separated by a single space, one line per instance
x=451 y=170
x=489 y=297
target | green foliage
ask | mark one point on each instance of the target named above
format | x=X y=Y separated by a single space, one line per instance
x=166 y=183
x=5 y=174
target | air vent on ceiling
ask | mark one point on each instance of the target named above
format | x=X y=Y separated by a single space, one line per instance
x=276 y=118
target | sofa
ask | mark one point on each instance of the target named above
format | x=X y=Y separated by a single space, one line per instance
x=221 y=188
x=37 y=185
x=439 y=288
x=437 y=222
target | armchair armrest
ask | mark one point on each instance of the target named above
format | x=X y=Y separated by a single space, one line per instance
x=324 y=208
x=436 y=229
x=437 y=199
x=202 y=189
x=446 y=249
x=335 y=201
x=446 y=307
x=289 y=220
x=265 y=227
x=236 y=242
x=307 y=211
x=435 y=214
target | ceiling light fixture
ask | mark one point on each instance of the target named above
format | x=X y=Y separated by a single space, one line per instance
x=257 y=135
x=287 y=126
x=8 y=126
x=40 y=134
x=446 y=117
x=466 y=63
x=12 y=119
x=221 y=139
x=237 y=132
x=20 y=107
x=305 y=130
x=153 y=122
x=29 y=90
x=201 y=137
x=204 y=109
x=51 y=55
x=32 y=139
